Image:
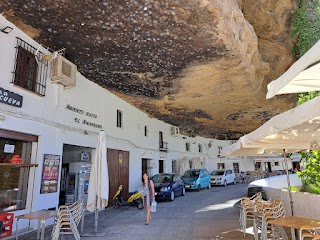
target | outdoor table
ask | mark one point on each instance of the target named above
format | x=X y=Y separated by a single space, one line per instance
x=41 y=216
x=296 y=223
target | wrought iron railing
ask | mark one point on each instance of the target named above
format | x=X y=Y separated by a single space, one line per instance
x=30 y=69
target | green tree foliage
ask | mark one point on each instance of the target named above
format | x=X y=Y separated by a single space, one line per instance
x=306 y=26
x=305 y=97
x=310 y=176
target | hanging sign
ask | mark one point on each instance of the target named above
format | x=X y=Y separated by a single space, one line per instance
x=8 y=148
x=10 y=98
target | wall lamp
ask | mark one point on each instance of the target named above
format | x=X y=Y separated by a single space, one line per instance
x=6 y=30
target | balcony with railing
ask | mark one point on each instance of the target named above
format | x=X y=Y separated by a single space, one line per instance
x=163 y=146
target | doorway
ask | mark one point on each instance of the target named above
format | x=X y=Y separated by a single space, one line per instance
x=267 y=166
x=146 y=167
x=118 y=164
x=75 y=174
x=296 y=166
x=161 y=166
x=221 y=166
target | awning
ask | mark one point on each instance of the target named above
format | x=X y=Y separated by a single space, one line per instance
x=302 y=76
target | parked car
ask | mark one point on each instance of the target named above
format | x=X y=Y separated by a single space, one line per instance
x=196 y=179
x=168 y=186
x=222 y=177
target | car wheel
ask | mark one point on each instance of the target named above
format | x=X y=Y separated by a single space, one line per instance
x=199 y=188
x=209 y=186
x=225 y=183
x=172 y=196
x=234 y=181
x=183 y=191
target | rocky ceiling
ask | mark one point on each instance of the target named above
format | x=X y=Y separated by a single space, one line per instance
x=202 y=65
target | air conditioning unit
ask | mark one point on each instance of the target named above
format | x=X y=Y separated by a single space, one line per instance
x=63 y=72
x=175 y=131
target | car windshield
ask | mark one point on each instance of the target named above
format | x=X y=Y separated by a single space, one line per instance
x=217 y=173
x=162 y=178
x=191 y=174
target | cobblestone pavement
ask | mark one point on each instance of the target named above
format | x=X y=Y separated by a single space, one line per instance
x=209 y=214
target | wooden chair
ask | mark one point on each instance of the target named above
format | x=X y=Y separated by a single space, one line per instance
x=68 y=219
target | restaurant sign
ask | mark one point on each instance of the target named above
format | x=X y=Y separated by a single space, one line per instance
x=10 y=98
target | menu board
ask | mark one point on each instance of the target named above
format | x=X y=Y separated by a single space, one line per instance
x=50 y=173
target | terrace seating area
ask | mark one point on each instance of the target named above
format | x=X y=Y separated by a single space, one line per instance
x=268 y=219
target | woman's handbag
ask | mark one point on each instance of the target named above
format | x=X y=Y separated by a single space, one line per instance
x=153 y=206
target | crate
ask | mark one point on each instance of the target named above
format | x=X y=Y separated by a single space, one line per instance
x=7 y=219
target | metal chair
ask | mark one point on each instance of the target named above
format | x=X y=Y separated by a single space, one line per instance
x=247 y=210
x=312 y=234
x=68 y=219
x=273 y=211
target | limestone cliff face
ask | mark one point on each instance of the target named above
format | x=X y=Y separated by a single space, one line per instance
x=202 y=65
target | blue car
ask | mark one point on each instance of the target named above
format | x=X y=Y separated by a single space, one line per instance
x=168 y=186
x=196 y=179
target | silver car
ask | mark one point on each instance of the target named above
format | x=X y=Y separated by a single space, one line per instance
x=222 y=177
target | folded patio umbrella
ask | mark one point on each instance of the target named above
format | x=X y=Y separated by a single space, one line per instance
x=98 y=192
x=302 y=76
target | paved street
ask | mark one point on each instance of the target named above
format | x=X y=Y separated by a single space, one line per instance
x=208 y=214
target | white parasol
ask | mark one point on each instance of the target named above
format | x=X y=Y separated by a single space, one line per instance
x=98 y=192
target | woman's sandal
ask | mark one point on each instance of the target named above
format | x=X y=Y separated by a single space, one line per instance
x=147 y=223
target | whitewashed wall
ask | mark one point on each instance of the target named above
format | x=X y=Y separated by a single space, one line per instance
x=55 y=125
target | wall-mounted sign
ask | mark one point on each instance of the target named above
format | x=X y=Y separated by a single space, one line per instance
x=10 y=98
x=8 y=148
x=50 y=173
x=84 y=156
x=87 y=114
x=120 y=158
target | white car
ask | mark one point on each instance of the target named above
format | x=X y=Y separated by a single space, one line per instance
x=222 y=177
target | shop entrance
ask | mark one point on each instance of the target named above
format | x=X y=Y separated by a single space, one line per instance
x=75 y=174
x=118 y=165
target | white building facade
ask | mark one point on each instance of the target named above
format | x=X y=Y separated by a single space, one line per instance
x=51 y=126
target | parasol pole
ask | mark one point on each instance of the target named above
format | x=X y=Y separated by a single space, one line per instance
x=96 y=216
x=288 y=180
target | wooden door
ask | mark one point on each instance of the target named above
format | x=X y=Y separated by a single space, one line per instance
x=118 y=166
x=124 y=172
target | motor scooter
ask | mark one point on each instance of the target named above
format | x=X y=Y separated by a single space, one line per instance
x=134 y=200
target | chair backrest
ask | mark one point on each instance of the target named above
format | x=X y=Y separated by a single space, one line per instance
x=251 y=200
x=72 y=213
x=275 y=209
